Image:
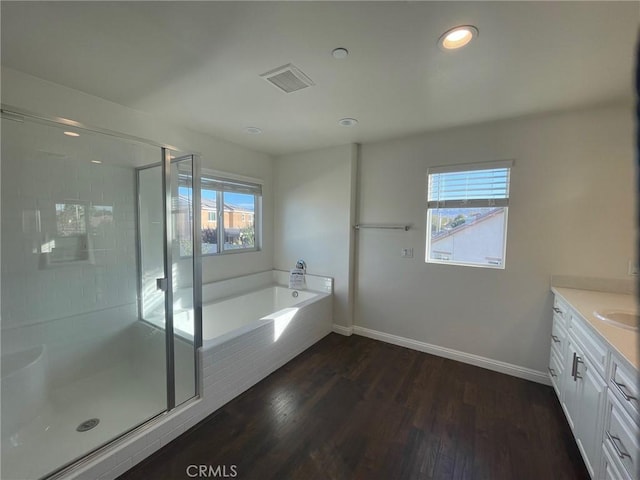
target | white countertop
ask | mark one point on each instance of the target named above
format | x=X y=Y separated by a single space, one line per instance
x=584 y=302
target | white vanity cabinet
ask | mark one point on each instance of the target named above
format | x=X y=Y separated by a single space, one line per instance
x=599 y=393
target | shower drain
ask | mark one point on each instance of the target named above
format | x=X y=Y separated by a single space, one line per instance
x=88 y=424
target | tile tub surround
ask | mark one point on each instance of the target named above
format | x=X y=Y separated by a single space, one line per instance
x=226 y=370
x=584 y=302
x=230 y=368
x=232 y=363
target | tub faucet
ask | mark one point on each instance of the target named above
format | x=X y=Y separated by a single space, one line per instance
x=296 y=276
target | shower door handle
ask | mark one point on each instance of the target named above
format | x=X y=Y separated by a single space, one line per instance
x=162 y=284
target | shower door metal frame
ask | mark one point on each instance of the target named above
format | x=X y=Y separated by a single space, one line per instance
x=197 y=267
x=168 y=278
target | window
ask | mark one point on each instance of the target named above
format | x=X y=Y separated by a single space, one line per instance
x=467 y=208
x=237 y=203
x=70 y=244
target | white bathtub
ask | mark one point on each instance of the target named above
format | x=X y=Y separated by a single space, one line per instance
x=247 y=337
x=236 y=315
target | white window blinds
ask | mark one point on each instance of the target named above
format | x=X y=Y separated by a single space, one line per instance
x=228 y=185
x=469 y=186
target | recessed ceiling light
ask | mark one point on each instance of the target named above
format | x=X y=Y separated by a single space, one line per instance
x=72 y=134
x=347 y=122
x=253 y=130
x=96 y=161
x=340 y=53
x=457 y=37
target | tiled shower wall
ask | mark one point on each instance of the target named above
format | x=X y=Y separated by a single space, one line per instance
x=78 y=307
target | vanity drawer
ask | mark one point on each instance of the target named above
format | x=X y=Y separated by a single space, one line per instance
x=558 y=337
x=591 y=345
x=624 y=385
x=611 y=468
x=555 y=372
x=561 y=310
x=621 y=436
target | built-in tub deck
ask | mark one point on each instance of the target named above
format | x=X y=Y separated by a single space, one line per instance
x=248 y=336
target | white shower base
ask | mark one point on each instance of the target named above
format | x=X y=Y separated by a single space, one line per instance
x=116 y=396
x=123 y=394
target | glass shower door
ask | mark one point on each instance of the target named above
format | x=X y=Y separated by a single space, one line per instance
x=185 y=202
x=169 y=271
x=151 y=265
x=78 y=367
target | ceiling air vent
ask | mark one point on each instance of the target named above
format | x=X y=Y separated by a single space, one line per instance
x=288 y=78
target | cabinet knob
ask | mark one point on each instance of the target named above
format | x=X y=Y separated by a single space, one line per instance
x=555 y=339
x=557 y=310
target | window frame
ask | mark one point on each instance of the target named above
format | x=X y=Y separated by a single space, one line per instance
x=460 y=204
x=226 y=178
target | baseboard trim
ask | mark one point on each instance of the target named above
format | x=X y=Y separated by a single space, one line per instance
x=347 y=331
x=477 y=360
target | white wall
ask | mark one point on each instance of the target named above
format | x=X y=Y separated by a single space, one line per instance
x=36 y=95
x=571 y=211
x=314 y=214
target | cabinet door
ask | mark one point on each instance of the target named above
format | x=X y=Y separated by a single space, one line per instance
x=570 y=400
x=591 y=396
x=583 y=405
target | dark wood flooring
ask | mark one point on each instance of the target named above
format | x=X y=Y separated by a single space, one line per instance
x=355 y=408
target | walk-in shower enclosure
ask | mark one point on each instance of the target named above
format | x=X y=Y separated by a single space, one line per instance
x=100 y=289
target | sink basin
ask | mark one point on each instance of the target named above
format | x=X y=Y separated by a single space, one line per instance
x=619 y=318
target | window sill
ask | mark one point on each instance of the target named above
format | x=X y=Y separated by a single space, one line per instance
x=226 y=252
x=462 y=264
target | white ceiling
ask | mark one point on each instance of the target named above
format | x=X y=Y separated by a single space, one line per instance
x=199 y=63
